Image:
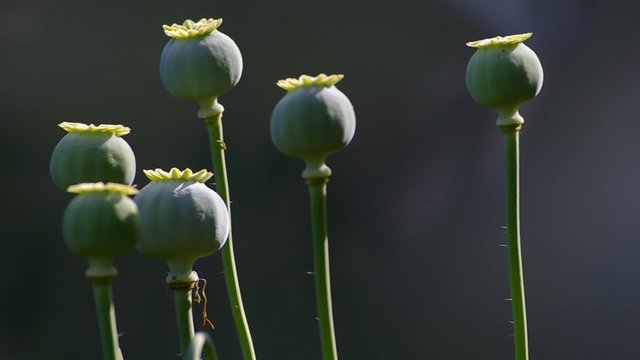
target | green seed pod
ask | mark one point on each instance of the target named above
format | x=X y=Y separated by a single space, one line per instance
x=199 y=63
x=181 y=219
x=90 y=153
x=504 y=73
x=101 y=223
x=314 y=119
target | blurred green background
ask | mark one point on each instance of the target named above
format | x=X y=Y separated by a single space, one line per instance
x=415 y=202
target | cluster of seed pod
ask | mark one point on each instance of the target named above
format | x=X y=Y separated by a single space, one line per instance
x=98 y=165
x=175 y=218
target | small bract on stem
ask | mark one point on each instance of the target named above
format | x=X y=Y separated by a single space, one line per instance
x=320 y=240
x=315 y=119
x=502 y=74
x=199 y=63
x=183 y=303
x=218 y=148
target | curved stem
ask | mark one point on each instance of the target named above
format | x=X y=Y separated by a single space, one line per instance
x=512 y=158
x=202 y=345
x=218 y=147
x=103 y=296
x=184 y=316
x=317 y=193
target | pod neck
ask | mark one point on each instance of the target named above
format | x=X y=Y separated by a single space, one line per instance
x=316 y=169
x=210 y=108
x=509 y=119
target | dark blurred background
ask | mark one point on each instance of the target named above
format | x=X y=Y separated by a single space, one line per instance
x=415 y=202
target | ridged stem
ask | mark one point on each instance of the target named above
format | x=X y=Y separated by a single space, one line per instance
x=103 y=297
x=218 y=147
x=512 y=160
x=184 y=316
x=317 y=194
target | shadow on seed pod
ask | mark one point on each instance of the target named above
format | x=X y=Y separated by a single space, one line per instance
x=199 y=62
x=181 y=219
x=90 y=153
x=502 y=74
x=314 y=119
x=100 y=223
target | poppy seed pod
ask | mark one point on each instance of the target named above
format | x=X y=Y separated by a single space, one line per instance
x=101 y=223
x=199 y=62
x=181 y=219
x=504 y=73
x=314 y=119
x=90 y=153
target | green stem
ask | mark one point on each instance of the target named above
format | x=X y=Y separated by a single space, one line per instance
x=105 y=310
x=218 y=147
x=512 y=155
x=184 y=316
x=318 y=194
x=202 y=345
